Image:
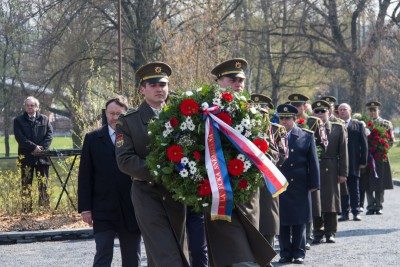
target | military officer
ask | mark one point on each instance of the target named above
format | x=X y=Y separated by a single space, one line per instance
x=333 y=163
x=375 y=186
x=332 y=100
x=237 y=243
x=269 y=206
x=316 y=126
x=161 y=219
x=302 y=172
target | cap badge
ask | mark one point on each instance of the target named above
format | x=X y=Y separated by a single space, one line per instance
x=296 y=98
x=372 y=104
x=158 y=69
x=318 y=104
x=256 y=98
x=327 y=99
x=285 y=109
x=238 y=65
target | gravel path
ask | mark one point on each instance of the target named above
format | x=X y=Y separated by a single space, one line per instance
x=375 y=241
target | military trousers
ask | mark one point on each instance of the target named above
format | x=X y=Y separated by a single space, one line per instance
x=326 y=224
x=375 y=202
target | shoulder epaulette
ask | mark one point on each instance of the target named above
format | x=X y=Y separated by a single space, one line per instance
x=308 y=131
x=131 y=111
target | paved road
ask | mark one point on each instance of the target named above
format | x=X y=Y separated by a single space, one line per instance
x=375 y=241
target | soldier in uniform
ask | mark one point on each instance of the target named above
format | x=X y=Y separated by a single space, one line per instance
x=315 y=125
x=161 y=219
x=302 y=172
x=331 y=100
x=333 y=165
x=336 y=111
x=375 y=186
x=269 y=206
x=237 y=243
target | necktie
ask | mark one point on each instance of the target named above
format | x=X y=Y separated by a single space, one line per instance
x=113 y=138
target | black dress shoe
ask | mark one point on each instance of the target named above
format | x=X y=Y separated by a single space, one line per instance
x=379 y=212
x=343 y=218
x=370 y=212
x=317 y=240
x=285 y=260
x=330 y=239
x=357 y=217
x=298 y=261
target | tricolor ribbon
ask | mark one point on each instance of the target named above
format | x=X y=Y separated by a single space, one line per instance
x=323 y=135
x=373 y=165
x=222 y=196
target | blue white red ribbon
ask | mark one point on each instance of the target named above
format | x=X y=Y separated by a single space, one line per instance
x=373 y=164
x=222 y=197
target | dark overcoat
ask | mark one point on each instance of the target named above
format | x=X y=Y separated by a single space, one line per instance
x=333 y=163
x=301 y=169
x=30 y=133
x=357 y=146
x=381 y=178
x=102 y=187
x=161 y=219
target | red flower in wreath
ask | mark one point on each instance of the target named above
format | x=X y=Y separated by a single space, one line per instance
x=372 y=149
x=227 y=96
x=384 y=157
x=225 y=117
x=376 y=156
x=375 y=131
x=197 y=155
x=242 y=184
x=175 y=153
x=189 y=107
x=376 y=138
x=301 y=121
x=261 y=144
x=235 y=167
x=174 y=122
x=388 y=135
x=374 y=143
x=205 y=188
x=369 y=124
x=369 y=136
x=383 y=141
x=387 y=145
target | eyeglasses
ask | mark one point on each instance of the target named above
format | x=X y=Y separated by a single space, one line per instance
x=320 y=111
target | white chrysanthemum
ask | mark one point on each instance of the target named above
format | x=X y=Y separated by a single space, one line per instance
x=217 y=101
x=188 y=119
x=185 y=160
x=246 y=123
x=191 y=127
x=247 y=134
x=243 y=98
x=241 y=157
x=155 y=173
x=199 y=89
x=183 y=126
x=165 y=133
x=158 y=166
x=263 y=135
x=239 y=128
x=184 y=173
x=192 y=164
x=189 y=93
x=253 y=110
x=204 y=106
x=247 y=165
x=193 y=170
x=229 y=109
x=149 y=133
x=205 y=204
x=168 y=125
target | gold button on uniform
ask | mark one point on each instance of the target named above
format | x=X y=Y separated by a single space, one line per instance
x=291 y=164
x=326 y=169
x=164 y=198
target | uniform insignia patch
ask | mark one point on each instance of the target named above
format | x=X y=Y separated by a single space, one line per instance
x=158 y=69
x=119 y=140
x=285 y=109
x=296 y=98
x=238 y=65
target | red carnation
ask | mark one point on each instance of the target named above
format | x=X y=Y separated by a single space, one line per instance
x=174 y=122
x=189 y=107
x=384 y=151
x=227 y=96
x=204 y=188
x=369 y=136
x=384 y=157
x=376 y=138
x=387 y=145
x=225 y=117
x=369 y=124
x=197 y=155
x=372 y=149
x=374 y=143
x=261 y=144
x=375 y=131
x=235 y=167
x=175 y=153
x=383 y=141
x=301 y=121
x=243 y=184
x=376 y=156
x=388 y=135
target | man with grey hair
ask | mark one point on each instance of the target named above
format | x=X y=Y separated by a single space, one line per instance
x=357 y=146
x=33 y=133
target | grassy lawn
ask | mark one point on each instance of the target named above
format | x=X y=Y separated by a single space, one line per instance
x=394 y=155
x=59 y=142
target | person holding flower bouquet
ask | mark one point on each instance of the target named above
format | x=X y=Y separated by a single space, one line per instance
x=160 y=218
x=378 y=176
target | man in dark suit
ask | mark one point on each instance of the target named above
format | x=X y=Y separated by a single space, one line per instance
x=33 y=133
x=160 y=218
x=302 y=172
x=357 y=150
x=104 y=193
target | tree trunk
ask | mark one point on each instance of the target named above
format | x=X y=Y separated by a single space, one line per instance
x=358 y=74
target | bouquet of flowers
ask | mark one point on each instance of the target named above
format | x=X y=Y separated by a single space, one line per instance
x=180 y=157
x=378 y=145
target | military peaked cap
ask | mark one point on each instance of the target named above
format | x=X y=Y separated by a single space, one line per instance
x=330 y=99
x=263 y=100
x=154 y=72
x=320 y=105
x=286 y=110
x=373 y=104
x=298 y=98
x=233 y=68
